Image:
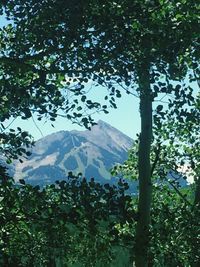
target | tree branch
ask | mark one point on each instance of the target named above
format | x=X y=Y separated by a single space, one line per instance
x=157 y=153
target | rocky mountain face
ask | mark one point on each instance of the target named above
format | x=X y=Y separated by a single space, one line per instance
x=91 y=153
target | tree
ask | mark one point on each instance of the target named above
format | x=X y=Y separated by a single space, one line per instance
x=175 y=157
x=132 y=44
x=59 y=225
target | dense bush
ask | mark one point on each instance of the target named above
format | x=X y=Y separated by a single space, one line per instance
x=62 y=224
x=82 y=223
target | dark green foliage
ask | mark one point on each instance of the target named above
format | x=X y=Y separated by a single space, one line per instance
x=175 y=230
x=79 y=221
x=55 y=48
x=70 y=221
x=15 y=143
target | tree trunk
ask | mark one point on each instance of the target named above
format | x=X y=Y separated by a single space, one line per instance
x=197 y=192
x=196 y=263
x=145 y=186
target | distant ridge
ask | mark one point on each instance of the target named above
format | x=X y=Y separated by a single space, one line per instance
x=92 y=153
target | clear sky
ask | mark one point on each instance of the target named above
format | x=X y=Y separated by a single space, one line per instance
x=125 y=117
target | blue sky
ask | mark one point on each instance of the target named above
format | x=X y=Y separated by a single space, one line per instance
x=125 y=118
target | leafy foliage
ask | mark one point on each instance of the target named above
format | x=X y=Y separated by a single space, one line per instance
x=54 y=48
x=174 y=230
x=70 y=221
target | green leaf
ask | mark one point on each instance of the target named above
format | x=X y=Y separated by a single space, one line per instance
x=159 y=108
x=22 y=181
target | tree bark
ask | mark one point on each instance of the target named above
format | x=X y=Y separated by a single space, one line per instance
x=144 y=166
x=196 y=206
x=197 y=192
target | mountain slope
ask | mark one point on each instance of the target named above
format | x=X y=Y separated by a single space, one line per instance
x=92 y=153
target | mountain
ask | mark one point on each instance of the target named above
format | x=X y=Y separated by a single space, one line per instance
x=91 y=153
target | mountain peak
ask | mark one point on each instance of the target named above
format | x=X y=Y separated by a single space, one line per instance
x=91 y=152
x=104 y=134
x=103 y=123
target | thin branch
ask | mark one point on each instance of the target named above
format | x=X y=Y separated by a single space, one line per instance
x=161 y=101
x=157 y=153
x=37 y=126
x=8 y=126
x=179 y=193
